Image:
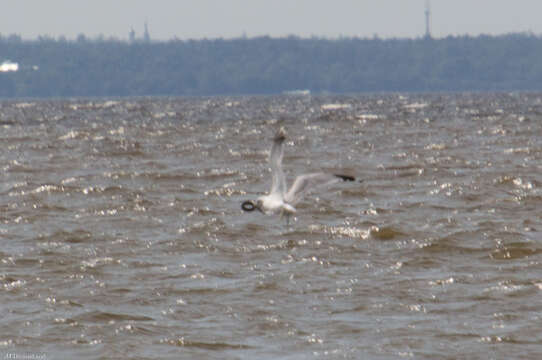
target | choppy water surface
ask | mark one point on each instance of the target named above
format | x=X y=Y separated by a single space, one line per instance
x=122 y=234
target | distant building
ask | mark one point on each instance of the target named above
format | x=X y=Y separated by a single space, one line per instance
x=146 y=35
x=132 y=36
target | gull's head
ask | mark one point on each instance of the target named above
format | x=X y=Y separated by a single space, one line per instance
x=259 y=205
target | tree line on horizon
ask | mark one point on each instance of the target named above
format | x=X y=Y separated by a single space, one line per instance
x=108 y=67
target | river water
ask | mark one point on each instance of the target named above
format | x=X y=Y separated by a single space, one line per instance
x=122 y=235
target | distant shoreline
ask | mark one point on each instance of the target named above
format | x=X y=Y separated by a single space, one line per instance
x=61 y=68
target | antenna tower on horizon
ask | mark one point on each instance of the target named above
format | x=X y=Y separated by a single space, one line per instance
x=427 y=19
x=146 y=35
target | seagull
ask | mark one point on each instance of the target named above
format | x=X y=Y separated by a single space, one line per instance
x=281 y=201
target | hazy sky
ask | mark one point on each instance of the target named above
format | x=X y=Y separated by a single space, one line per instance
x=186 y=19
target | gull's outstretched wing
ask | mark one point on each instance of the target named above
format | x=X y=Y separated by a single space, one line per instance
x=309 y=182
x=278 y=184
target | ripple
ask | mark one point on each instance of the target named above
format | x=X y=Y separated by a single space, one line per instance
x=347 y=231
x=512 y=252
x=212 y=346
x=386 y=233
x=106 y=317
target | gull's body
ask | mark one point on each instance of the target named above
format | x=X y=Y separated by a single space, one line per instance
x=279 y=200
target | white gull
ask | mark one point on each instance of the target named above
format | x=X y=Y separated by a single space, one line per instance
x=281 y=201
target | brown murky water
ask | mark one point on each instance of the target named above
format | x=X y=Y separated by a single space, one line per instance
x=122 y=234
